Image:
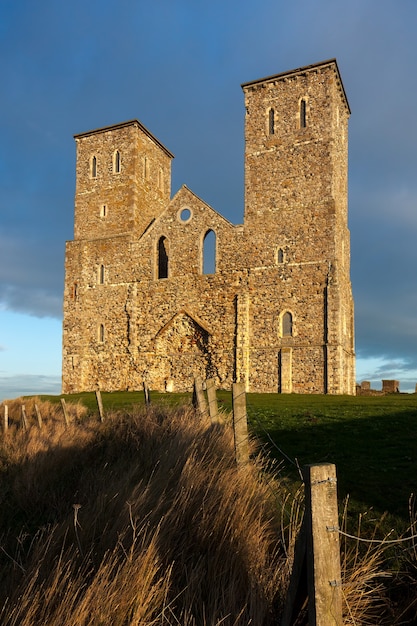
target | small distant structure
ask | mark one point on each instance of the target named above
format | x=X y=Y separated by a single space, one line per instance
x=388 y=386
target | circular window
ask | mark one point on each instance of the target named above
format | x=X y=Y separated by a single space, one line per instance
x=185 y=215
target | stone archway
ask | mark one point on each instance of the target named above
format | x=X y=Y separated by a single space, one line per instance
x=182 y=351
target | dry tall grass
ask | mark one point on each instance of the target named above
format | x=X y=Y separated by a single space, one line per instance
x=145 y=519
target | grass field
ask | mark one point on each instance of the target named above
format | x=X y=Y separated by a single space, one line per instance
x=371 y=440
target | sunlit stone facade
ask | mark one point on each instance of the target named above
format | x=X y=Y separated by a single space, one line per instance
x=276 y=311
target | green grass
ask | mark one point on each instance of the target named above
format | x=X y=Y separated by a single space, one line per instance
x=371 y=440
x=125 y=400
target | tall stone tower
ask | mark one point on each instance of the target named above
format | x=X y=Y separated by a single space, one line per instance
x=123 y=180
x=296 y=160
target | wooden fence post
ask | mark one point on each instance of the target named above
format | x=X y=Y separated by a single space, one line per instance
x=146 y=395
x=323 y=549
x=38 y=416
x=240 y=423
x=24 y=418
x=6 y=418
x=64 y=409
x=200 y=398
x=212 y=400
x=100 y=405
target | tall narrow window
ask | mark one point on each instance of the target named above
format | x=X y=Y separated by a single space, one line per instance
x=163 y=257
x=116 y=162
x=101 y=275
x=280 y=255
x=160 y=179
x=209 y=252
x=287 y=324
x=271 y=122
x=94 y=167
x=303 y=114
x=101 y=333
x=145 y=167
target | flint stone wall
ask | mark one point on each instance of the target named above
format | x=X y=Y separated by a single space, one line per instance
x=130 y=317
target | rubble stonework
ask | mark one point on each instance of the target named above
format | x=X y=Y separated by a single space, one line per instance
x=277 y=310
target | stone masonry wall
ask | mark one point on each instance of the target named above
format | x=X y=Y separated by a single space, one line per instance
x=277 y=310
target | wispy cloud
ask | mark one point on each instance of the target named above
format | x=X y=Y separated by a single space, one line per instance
x=27 y=385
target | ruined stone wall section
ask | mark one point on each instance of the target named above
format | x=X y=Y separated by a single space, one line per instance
x=96 y=295
x=184 y=225
x=243 y=339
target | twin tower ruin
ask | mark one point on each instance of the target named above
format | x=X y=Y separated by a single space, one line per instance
x=162 y=289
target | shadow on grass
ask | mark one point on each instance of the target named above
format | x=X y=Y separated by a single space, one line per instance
x=375 y=455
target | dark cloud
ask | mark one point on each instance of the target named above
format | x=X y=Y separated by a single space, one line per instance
x=31 y=273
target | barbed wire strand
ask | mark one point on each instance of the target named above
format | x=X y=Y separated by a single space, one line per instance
x=377 y=541
x=272 y=442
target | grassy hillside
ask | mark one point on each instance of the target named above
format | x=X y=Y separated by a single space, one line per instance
x=145 y=519
x=372 y=440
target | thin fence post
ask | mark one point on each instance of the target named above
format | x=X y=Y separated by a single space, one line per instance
x=6 y=418
x=323 y=549
x=212 y=400
x=24 y=418
x=100 y=405
x=146 y=395
x=201 y=403
x=38 y=417
x=64 y=409
x=240 y=423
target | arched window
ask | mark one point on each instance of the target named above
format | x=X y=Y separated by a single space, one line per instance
x=271 y=122
x=163 y=257
x=101 y=275
x=101 y=333
x=116 y=162
x=286 y=324
x=303 y=113
x=280 y=255
x=93 y=167
x=209 y=253
x=145 y=167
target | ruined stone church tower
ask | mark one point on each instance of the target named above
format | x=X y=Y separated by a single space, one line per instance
x=271 y=305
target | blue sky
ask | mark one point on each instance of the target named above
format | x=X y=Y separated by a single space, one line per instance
x=177 y=66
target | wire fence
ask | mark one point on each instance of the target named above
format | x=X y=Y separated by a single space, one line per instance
x=255 y=426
